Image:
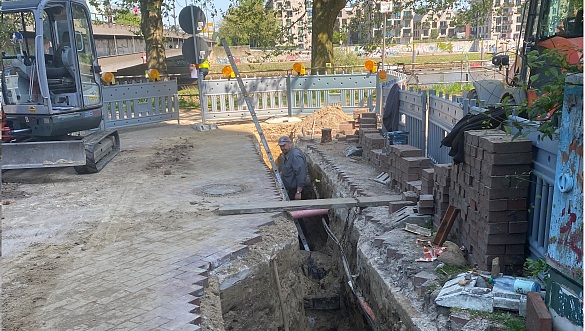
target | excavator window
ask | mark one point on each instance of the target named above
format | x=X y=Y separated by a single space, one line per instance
x=19 y=70
x=563 y=18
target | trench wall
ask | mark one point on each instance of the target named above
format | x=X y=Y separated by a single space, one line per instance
x=250 y=295
x=392 y=309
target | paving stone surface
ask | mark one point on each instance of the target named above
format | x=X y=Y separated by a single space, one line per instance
x=143 y=242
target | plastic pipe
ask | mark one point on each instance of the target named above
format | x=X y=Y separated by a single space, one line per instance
x=295 y=214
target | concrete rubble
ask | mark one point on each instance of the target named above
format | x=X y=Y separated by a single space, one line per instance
x=469 y=291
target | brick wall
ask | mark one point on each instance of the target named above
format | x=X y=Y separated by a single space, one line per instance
x=491 y=190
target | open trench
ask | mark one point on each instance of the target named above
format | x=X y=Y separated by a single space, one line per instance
x=280 y=286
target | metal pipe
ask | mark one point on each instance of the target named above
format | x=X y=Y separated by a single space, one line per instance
x=296 y=214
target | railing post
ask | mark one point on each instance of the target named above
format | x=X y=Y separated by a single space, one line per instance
x=378 y=95
x=202 y=100
x=289 y=94
x=465 y=106
x=424 y=121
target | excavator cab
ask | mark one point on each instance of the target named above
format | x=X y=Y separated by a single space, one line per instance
x=51 y=91
x=50 y=73
x=546 y=25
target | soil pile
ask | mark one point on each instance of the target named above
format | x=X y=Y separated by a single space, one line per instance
x=326 y=117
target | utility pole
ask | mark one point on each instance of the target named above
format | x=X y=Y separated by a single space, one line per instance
x=384 y=38
x=384 y=8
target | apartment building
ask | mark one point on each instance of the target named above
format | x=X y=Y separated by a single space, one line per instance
x=297 y=20
x=403 y=25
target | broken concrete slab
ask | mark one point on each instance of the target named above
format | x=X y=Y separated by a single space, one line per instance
x=382 y=178
x=463 y=292
x=204 y=127
x=465 y=296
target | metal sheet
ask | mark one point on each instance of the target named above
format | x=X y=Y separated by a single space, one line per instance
x=47 y=154
x=565 y=248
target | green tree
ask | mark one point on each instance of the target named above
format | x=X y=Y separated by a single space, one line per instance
x=250 y=23
x=324 y=17
x=151 y=27
x=124 y=16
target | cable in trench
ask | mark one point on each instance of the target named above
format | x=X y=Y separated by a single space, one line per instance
x=366 y=310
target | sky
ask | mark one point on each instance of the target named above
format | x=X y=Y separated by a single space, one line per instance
x=220 y=5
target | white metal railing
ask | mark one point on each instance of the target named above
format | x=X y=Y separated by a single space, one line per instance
x=140 y=103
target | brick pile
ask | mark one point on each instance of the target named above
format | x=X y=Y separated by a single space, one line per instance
x=442 y=182
x=491 y=190
x=427 y=181
x=406 y=164
x=365 y=119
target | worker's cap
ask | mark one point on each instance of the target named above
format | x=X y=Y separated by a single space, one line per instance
x=283 y=140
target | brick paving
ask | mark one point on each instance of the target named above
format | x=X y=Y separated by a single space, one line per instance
x=133 y=279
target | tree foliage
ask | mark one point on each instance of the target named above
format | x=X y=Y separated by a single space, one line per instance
x=124 y=16
x=251 y=23
x=151 y=26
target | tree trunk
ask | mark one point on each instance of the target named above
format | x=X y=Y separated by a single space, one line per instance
x=152 y=30
x=324 y=16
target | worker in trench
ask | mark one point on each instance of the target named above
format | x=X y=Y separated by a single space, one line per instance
x=292 y=165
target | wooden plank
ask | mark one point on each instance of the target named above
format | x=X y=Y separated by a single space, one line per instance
x=445 y=226
x=276 y=206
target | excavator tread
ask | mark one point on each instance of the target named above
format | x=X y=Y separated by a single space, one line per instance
x=100 y=148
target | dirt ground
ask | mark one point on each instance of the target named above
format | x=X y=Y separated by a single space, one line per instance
x=51 y=217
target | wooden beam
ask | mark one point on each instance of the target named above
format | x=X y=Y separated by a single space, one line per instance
x=276 y=206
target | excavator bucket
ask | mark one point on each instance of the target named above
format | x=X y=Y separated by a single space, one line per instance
x=47 y=154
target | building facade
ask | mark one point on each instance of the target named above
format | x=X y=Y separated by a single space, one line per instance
x=364 y=23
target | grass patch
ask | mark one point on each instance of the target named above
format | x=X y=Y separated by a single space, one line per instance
x=506 y=321
x=189 y=98
x=447 y=271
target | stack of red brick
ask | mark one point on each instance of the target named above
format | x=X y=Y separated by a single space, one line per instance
x=427 y=181
x=442 y=182
x=491 y=190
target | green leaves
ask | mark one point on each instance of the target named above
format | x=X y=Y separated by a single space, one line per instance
x=548 y=70
x=251 y=23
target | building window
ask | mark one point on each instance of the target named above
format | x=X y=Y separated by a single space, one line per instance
x=518 y=19
x=443 y=24
x=406 y=32
x=309 y=13
x=434 y=25
x=443 y=32
x=287 y=5
x=407 y=24
x=397 y=15
x=309 y=4
x=340 y=13
x=498 y=21
x=289 y=13
x=448 y=16
x=407 y=14
x=425 y=32
x=518 y=27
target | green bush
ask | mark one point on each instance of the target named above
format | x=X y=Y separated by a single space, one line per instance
x=342 y=58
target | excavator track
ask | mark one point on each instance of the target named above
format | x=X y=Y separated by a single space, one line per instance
x=100 y=148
